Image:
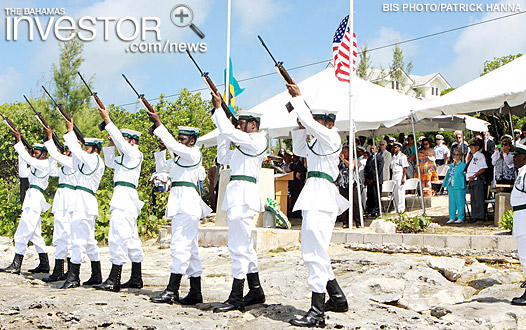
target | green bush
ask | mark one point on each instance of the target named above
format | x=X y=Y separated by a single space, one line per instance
x=507 y=221
x=406 y=224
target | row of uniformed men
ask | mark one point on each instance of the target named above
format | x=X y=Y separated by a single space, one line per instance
x=75 y=206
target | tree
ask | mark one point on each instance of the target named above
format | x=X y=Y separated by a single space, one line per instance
x=500 y=123
x=69 y=90
x=398 y=64
x=364 y=63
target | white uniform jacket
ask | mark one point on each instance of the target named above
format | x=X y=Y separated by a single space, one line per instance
x=67 y=179
x=161 y=163
x=90 y=168
x=245 y=160
x=185 y=168
x=39 y=172
x=322 y=154
x=127 y=168
x=518 y=202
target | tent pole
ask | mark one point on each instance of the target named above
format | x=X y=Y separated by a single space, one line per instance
x=377 y=178
x=350 y=24
x=359 y=186
x=512 y=129
x=418 y=165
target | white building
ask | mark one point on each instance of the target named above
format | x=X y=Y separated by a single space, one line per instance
x=426 y=87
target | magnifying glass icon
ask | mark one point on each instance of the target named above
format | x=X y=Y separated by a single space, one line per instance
x=182 y=16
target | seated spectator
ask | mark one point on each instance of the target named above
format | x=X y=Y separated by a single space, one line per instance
x=455 y=182
x=502 y=160
x=475 y=178
x=428 y=167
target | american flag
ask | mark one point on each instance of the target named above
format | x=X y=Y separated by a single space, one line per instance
x=340 y=51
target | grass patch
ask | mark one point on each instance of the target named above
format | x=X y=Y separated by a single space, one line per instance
x=214 y=275
x=278 y=250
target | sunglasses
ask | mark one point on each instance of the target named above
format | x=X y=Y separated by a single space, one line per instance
x=505 y=144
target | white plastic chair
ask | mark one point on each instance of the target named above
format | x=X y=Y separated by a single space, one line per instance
x=411 y=184
x=388 y=189
x=442 y=172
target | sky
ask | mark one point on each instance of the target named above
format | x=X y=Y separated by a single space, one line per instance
x=298 y=32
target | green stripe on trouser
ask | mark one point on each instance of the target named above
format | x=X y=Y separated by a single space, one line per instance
x=36 y=187
x=243 y=178
x=85 y=189
x=124 y=184
x=184 y=184
x=323 y=175
x=65 y=185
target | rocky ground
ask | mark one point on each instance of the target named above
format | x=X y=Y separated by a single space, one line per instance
x=385 y=291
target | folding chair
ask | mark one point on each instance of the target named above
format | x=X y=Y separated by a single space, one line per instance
x=411 y=184
x=441 y=171
x=388 y=189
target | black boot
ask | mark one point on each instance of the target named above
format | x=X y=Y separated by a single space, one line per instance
x=235 y=300
x=96 y=274
x=171 y=294
x=73 y=279
x=315 y=316
x=194 y=295
x=113 y=282
x=43 y=266
x=337 y=301
x=255 y=294
x=14 y=267
x=65 y=275
x=135 y=280
x=58 y=272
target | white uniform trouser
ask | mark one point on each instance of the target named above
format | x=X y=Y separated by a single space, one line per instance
x=521 y=251
x=183 y=246
x=399 y=192
x=123 y=238
x=62 y=234
x=316 y=232
x=240 y=242
x=83 y=238
x=29 y=229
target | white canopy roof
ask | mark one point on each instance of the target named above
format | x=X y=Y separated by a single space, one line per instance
x=486 y=93
x=439 y=123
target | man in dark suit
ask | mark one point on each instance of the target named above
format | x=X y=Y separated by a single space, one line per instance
x=372 y=205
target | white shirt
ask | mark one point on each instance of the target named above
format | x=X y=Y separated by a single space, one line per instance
x=322 y=154
x=90 y=169
x=399 y=162
x=185 y=168
x=240 y=193
x=441 y=151
x=518 y=197
x=127 y=168
x=66 y=175
x=478 y=162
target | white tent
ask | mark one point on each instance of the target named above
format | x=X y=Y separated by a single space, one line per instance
x=486 y=93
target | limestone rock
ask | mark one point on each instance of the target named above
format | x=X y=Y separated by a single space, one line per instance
x=382 y=226
x=440 y=311
x=383 y=290
x=451 y=268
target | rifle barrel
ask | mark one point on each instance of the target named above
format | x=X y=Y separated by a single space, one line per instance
x=268 y=51
x=85 y=83
x=51 y=97
x=129 y=83
x=191 y=57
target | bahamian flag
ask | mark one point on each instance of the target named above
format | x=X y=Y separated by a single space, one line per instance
x=234 y=88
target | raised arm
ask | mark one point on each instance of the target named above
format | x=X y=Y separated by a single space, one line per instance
x=109 y=156
x=323 y=134
x=76 y=150
x=186 y=153
x=238 y=137
x=23 y=168
x=121 y=144
x=41 y=164
x=224 y=154
x=57 y=156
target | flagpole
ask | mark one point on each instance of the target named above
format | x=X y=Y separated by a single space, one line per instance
x=227 y=76
x=352 y=147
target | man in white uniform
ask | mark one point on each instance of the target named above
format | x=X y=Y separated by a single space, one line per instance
x=441 y=151
x=64 y=197
x=125 y=205
x=185 y=207
x=518 y=202
x=242 y=200
x=399 y=165
x=320 y=203
x=90 y=168
x=30 y=226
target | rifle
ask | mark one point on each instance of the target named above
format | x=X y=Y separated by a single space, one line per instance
x=10 y=124
x=99 y=103
x=144 y=102
x=282 y=72
x=64 y=114
x=44 y=123
x=213 y=89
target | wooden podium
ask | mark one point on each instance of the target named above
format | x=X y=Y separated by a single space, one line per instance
x=281 y=184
